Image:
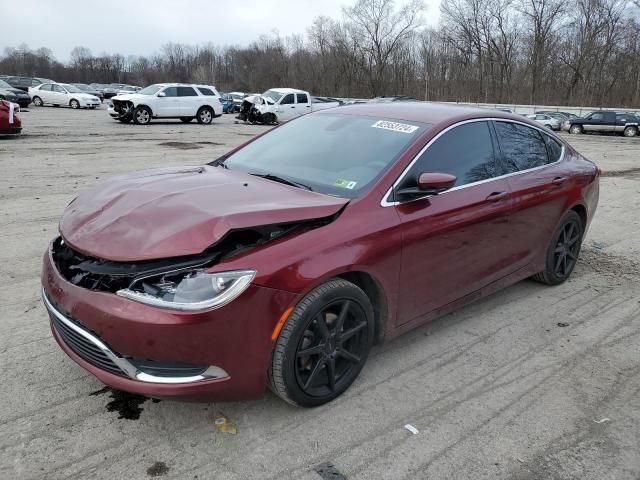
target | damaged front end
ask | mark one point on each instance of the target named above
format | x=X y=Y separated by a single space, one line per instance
x=123 y=109
x=180 y=283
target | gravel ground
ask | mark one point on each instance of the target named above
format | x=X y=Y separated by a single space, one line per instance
x=497 y=390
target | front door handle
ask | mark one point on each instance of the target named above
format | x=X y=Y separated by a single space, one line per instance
x=495 y=196
x=558 y=181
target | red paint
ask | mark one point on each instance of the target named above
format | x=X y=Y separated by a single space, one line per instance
x=7 y=128
x=428 y=257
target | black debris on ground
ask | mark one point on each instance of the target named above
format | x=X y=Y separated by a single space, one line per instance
x=158 y=469
x=329 y=472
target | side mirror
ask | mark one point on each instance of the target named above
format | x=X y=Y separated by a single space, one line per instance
x=162 y=94
x=428 y=183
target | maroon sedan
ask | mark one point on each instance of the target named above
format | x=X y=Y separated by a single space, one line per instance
x=284 y=261
x=10 y=123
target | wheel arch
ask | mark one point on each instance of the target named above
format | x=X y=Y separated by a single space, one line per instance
x=581 y=210
x=142 y=105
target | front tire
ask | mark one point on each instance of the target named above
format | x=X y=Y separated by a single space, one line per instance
x=323 y=345
x=74 y=104
x=205 y=116
x=270 y=118
x=142 y=116
x=575 y=129
x=562 y=253
x=630 y=132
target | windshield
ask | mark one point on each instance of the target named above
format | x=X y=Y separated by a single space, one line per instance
x=71 y=88
x=273 y=95
x=334 y=154
x=4 y=84
x=150 y=90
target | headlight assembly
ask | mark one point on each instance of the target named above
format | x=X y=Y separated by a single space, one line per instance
x=189 y=291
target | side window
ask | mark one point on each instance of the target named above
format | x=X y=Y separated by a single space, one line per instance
x=288 y=99
x=554 y=149
x=186 y=92
x=597 y=116
x=302 y=98
x=171 y=91
x=522 y=147
x=206 y=91
x=465 y=151
x=59 y=89
x=46 y=88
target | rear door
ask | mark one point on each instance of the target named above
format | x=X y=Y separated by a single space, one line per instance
x=303 y=105
x=189 y=101
x=453 y=243
x=44 y=92
x=539 y=183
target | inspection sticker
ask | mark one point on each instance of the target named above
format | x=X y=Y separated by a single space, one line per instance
x=345 y=184
x=395 y=126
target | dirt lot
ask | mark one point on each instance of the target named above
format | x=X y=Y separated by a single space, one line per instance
x=498 y=390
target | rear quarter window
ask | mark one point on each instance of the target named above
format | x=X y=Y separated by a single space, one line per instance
x=206 y=91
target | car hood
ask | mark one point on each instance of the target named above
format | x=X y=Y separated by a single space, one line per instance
x=173 y=212
x=130 y=96
x=15 y=91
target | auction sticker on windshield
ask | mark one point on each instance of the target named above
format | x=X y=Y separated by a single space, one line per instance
x=345 y=183
x=395 y=126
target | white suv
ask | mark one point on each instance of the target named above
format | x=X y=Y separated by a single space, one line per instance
x=167 y=100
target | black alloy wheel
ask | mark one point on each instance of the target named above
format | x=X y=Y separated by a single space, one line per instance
x=323 y=345
x=562 y=253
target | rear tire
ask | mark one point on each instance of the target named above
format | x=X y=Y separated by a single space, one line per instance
x=575 y=129
x=204 y=116
x=323 y=345
x=74 y=104
x=563 y=251
x=630 y=132
x=142 y=116
x=37 y=101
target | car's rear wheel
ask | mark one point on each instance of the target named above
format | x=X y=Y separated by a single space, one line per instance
x=563 y=251
x=205 y=115
x=575 y=129
x=186 y=119
x=74 y=104
x=630 y=132
x=142 y=116
x=323 y=344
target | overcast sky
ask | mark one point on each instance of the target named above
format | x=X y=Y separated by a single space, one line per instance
x=140 y=27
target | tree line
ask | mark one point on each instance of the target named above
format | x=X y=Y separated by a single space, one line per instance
x=584 y=52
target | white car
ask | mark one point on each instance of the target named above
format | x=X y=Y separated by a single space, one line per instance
x=62 y=94
x=167 y=100
x=546 y=120
x=284 y=104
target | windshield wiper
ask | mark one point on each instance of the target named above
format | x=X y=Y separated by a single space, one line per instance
x=219 y=162
x=276 y=178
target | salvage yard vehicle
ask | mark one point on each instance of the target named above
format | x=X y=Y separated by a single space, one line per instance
x=545 y=120
x=24 y=83
x=284 y=104
x=167 y=100
x=90 y=90
x=62 y=94
x=285 y=260
x=604 y=122
x=15 y=95
x=10 y=123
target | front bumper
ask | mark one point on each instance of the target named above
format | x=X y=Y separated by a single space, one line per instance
x=89 y=103
x=234 y=340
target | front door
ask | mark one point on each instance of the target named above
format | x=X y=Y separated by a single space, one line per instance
x=169 y=105
x=453 y=243
x=287 y=108
x=593 y=122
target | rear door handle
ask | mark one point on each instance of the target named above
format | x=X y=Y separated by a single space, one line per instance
x=558 y=181
x=495 y=196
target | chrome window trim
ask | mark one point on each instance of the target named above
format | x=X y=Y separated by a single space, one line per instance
x=385 y=203
x=127 y=367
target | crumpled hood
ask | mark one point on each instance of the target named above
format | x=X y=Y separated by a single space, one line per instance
x=172 y=212
x=130 y=96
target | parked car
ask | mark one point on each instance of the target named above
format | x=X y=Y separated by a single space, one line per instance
x=546 y=120
x=168 y=100
x=90 y=90
x=62 y=94
x=112 y=90
x=604 y=121
x=236 y=99
x=283 y=261
x=15 y=95
x=560 y=116
x=10 y=122
x=284 y=104
x=227 y=103
x=24 y=83
x=126 y=89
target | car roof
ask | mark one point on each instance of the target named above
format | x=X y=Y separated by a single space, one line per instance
x=425 y=112
x=287 y=90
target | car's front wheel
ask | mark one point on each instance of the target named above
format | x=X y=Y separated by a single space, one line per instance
x=205 y=116
x=575 y=129
x=74 y=104
x=562 y=252
x=142 y=116
x=323 y=344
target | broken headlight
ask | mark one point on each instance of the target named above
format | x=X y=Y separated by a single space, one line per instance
x=195 y=290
